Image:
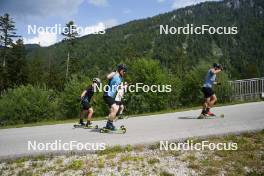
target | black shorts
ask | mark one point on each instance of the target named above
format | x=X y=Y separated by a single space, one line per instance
x=119 y=103
x=109 y=101
x=85 y=104
x=208 y=92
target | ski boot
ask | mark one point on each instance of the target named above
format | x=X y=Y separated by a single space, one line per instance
x=203 y=114
x=110 y=125
x=209 y=113
x=121 y=116
x=81 y=122
x=88 y=123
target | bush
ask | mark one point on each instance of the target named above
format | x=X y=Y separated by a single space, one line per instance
x=224 y=91
x=149 y=72
x=27 y=104
x=192 y=84
x=69 y=101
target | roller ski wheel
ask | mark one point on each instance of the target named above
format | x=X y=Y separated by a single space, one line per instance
x=124 y=130
x=102 y=130
x=201 y=116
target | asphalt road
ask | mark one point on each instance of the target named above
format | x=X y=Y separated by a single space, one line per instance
x=140 y=130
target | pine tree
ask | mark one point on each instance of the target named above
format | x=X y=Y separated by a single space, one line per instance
x=70 y=34
x=16 y=64
x=7 y=32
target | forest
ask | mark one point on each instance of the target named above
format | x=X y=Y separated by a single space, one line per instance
x=41 y=83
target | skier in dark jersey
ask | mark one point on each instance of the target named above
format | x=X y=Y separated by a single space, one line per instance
x=86 y=98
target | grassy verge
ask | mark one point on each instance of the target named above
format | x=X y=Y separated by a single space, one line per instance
x=248 y=159
x=53 y=121
x=47 y=122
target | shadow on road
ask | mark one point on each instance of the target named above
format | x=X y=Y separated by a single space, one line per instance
x=188 y=117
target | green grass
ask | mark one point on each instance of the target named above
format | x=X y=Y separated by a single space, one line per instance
x=24 y=173
x=20 y=160
x=248 y=155
x=59 y=161
x=128 y=158
x=115 y=149
x=153 y=161
x=75 y=165
x=47 y=122
x=54 y=121
x=101 y=163
x=165 y=173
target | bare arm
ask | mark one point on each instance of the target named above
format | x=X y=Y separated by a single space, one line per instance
x=216 y=71
x=111 y=75
x=83 y=93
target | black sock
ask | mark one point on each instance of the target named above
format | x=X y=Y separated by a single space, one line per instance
x=207 y=110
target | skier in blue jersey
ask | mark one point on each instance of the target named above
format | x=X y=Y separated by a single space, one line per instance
x=209 y=95
x=114 y=81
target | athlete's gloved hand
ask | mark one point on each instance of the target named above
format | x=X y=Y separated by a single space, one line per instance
x=81 y=98
x=220 y=67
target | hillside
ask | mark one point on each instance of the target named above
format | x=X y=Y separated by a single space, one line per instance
x=178 y=60
x=242 y=54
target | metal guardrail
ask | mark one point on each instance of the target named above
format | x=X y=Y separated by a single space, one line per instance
x=247 y=88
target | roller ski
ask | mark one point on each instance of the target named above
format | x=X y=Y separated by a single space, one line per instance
x=121 y=130
x=88 y=125
x=206 y=114
x=85 y=127
x=110 y=128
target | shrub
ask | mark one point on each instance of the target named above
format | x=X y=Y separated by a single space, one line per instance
x=149 y=72
x=26 y=104
x=69 y=101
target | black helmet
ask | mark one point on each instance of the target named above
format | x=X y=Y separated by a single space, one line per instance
x=122 y=67
x=215 y=65
x=97 y=80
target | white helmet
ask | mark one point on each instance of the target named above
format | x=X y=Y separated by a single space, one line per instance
x=97 y=80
